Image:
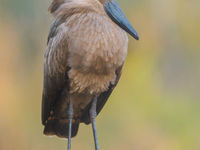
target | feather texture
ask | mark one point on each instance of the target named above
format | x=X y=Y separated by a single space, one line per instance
x=84 y=57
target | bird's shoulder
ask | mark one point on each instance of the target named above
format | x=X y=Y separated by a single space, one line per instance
x=56 y=54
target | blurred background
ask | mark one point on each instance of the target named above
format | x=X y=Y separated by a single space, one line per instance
x=156 y=105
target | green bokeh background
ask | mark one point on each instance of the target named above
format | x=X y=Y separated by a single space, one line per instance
x=156 y=105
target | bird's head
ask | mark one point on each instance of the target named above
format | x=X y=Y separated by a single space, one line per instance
x=116 y=14
x=111 y=7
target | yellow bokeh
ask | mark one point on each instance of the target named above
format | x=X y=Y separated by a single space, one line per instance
x=156 y=105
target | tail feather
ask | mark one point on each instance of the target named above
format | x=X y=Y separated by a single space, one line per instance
x=59 y=127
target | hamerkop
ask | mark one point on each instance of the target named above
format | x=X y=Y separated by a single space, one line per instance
x=86 y=49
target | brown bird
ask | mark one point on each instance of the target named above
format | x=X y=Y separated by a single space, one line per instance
x=86 y=49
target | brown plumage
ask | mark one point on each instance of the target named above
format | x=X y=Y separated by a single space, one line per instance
x=84 y=58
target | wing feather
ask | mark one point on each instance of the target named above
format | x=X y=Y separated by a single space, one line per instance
x=55 y=67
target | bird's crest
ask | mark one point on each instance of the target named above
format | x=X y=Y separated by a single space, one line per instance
x=68 y=7
x=55 y=5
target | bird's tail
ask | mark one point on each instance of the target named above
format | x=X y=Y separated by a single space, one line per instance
x=59 y=127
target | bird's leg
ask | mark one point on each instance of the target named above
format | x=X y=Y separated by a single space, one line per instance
x=93 y=115
x=70 y=117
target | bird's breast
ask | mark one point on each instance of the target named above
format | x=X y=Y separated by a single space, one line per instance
x=97 y=48
x=96 y=43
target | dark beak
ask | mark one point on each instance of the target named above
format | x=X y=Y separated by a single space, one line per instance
x=116 y=14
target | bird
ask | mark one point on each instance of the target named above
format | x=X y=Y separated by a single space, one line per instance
x=86 y=49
